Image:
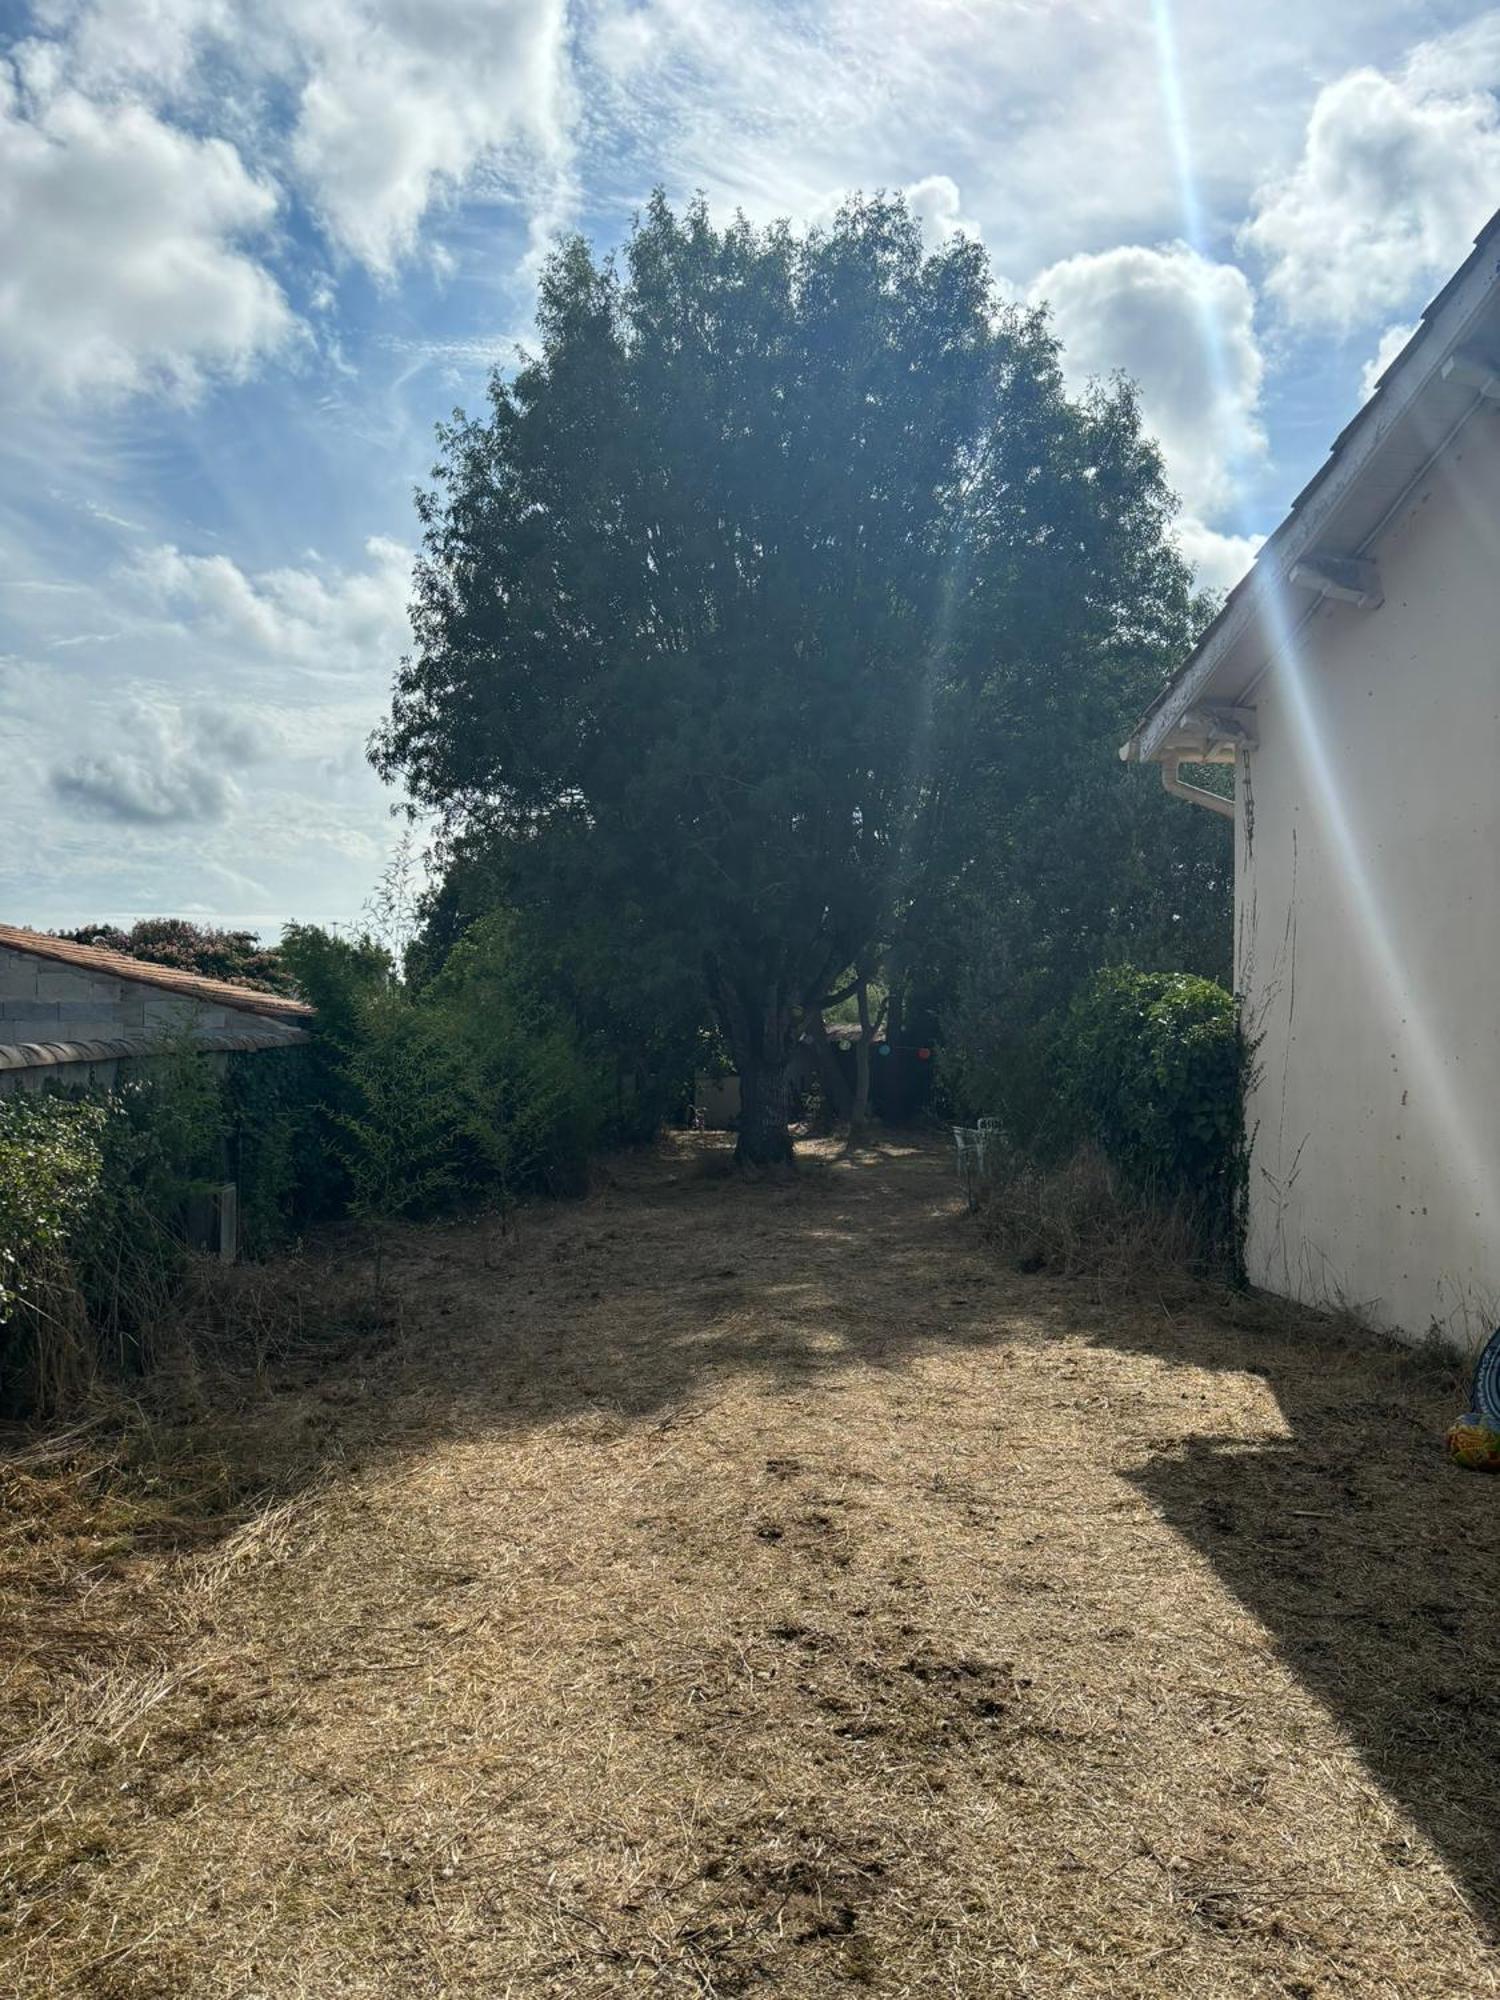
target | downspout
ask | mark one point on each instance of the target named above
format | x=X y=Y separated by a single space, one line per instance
x=1197 y=794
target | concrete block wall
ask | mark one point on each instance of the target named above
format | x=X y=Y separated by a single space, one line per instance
x=65 y=1076
x=44 y=1001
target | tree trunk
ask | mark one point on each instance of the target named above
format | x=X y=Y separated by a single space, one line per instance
x=859 y=1114
x=764 y=1093
x=837 y=1100
x=759 y=1024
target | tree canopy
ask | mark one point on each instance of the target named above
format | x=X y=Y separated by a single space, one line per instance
x=754 y=590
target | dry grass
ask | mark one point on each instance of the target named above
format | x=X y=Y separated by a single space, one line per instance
x=1074 y=1221
x=722 y=1590
x=116 y=1532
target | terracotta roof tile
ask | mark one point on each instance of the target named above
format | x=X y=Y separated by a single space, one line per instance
x=47 y=1055
x=119 y=965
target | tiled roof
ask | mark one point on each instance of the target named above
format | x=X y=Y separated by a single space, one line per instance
x=48 y=1055
x=119 y=965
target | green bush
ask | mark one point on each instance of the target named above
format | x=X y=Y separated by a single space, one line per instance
x=340 y=978
x=474 y=1087
x=986 y=1072
x=51 y=1162
x=94 y=1197
x=411 y=1143
x=537 y=1097
x=478 y=1087
x=1152 y=1067
x=271 y=1114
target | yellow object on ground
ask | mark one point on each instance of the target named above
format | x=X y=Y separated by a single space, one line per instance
x=1471 y=1442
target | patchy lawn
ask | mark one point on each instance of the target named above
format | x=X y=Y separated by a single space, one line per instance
x=712 y=1589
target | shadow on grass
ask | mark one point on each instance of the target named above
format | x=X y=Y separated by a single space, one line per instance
x=1372 y=1562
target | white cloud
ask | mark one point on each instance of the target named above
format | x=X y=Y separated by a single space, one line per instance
x=405 y=100
x=936 y=204
x=104 y=45
x=1391 y=343
x=121 y=258
x=396 y=105
x=782 y=110
x=1217 y=561
x=1183 y=329
x=163 y=765
x=328 y=622
x=1397 y=173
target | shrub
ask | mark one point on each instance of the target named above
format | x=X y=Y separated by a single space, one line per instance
x=94 y=1196
x=986 y=1072
x=164 y=1138
x=51 y=1161
x=1152 y=1068
x=538 y=1098
x=271 y=1115
x=474 y=1087
x=478 y=1087
x=93 y=1192
x=340 y=978
x=410 y=1143
x=238 y=956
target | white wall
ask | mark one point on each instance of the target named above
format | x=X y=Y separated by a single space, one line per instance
x=1368 y=928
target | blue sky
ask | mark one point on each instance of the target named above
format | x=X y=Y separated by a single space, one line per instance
x=248 y=257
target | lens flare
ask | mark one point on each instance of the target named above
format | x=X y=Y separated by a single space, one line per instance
x=1472 y=1164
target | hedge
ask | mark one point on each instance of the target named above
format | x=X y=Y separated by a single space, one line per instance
x=1153 y=1068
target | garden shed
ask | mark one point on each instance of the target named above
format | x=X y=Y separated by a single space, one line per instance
x=1352 y=681
x=76 y=1016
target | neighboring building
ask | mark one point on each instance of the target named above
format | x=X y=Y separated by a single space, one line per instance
x=72 y=1015
x=1353 y=679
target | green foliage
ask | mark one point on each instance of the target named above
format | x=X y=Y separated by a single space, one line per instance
x=163 y=1141
x=539 y=1100
x=238 y=956
x=340 y=978
x=272 y=1121
x=475 y=1085
x=636 y=1018
x=51 y=1157
x=410 y=1144
x=94 y=1198
x=1153 y=1068
x=336 y=976
x=749 y=587
x=1074 y=862
x=476 y=1088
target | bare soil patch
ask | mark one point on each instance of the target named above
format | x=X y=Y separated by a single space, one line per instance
x=718 y=1589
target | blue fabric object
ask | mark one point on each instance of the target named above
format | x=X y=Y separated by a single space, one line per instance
x=1486 y=1398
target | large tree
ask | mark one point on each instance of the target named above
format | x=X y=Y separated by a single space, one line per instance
x=734 y=599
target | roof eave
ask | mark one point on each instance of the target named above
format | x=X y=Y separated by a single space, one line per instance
x=1312 y=515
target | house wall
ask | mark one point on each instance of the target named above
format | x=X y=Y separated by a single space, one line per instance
x=43 y=1000
x=1368 y=929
